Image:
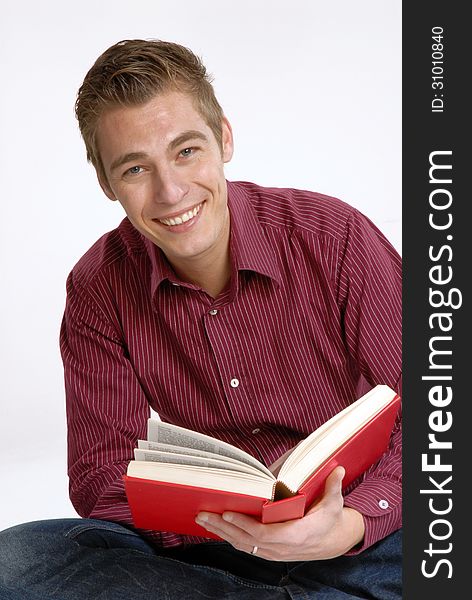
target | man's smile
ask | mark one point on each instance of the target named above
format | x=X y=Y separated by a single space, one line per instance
x=183 y=217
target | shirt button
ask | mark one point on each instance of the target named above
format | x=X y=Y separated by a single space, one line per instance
x=256 y=430
x=213 y=311
x=383 y=504
x=234 y=383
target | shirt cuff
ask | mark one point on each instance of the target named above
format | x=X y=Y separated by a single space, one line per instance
x=380 y=503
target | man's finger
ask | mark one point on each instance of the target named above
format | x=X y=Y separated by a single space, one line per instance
x=334 y=481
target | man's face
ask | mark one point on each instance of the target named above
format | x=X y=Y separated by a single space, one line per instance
x=163 y=164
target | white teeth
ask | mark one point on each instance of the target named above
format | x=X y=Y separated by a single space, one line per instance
x=183 y=218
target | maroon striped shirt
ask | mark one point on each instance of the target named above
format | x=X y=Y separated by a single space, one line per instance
x=313 y=311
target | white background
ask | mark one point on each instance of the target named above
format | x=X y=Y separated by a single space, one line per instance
x=313 y=91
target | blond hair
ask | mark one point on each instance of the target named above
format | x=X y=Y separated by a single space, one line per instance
x=131 y=72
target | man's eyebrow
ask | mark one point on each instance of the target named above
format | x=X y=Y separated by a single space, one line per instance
x=125 y=158
x=186 y=136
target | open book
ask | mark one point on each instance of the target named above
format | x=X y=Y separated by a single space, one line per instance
x=178 y=472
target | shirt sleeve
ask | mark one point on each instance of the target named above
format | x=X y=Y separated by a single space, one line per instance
x=369 y=293
x=106 y=409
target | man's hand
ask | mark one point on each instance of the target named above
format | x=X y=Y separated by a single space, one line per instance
x=327 y=530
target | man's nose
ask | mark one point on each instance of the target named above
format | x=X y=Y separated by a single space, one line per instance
x=169 y=187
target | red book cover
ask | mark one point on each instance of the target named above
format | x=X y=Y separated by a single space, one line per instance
x=172 y=507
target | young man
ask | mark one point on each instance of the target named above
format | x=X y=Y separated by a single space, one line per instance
x=252 y=314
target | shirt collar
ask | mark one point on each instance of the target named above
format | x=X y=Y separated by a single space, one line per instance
x=250 y=250
x=160 y=267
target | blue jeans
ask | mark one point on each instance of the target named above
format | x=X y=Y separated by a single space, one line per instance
x=68 y=559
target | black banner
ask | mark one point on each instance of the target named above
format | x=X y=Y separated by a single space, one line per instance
x=436 y=326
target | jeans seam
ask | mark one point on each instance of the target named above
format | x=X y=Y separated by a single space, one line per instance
x=78 y=529
x=246 y=582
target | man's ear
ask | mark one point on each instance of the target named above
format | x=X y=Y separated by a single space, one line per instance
x=227 y=145
x=102 y=180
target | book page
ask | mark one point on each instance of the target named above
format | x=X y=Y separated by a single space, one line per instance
x=166 y=433
x=147 y=445
x=197 y=461
x=320 y=444
x=218 y=479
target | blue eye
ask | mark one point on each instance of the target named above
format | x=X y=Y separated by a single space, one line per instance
x=186 y=152
x=134 y=170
